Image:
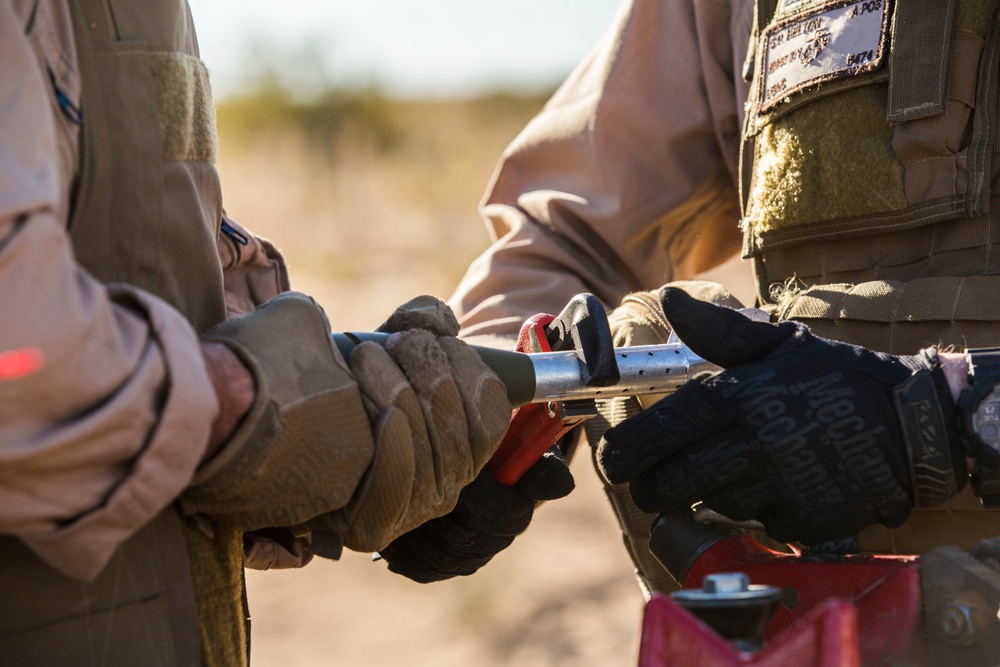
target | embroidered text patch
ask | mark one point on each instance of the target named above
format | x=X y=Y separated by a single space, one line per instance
x=840 y=40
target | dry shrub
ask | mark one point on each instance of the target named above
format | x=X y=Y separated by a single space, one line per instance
x=367 y=196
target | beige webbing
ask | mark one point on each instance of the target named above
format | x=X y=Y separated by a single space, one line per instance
x=634 y=523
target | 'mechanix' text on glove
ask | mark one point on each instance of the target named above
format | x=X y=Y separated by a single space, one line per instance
x=814 y=438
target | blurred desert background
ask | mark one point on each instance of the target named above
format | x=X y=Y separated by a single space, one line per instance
x=372 y=196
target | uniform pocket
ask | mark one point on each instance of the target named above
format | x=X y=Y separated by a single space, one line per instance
x=933 y=151
x=815 y=135
x=825 y=162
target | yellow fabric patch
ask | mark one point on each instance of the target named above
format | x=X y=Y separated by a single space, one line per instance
x=827 y=160
x=184 y=100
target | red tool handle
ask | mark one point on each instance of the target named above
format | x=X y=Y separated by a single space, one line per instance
x=535 y=427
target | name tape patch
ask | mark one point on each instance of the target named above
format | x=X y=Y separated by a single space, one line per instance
x=841 y=40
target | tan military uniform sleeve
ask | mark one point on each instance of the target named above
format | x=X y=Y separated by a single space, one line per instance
x=627 y=178
x=105 y=404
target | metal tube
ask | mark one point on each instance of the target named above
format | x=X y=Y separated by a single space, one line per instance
x=645 y=369
x=557 y=376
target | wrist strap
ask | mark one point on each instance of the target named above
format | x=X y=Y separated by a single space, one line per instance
x=924 y=406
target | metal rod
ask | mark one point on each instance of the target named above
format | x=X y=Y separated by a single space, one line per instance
x=644 y=369
x=557 y=376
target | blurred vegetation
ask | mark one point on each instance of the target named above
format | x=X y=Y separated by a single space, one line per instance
x=365 y=193
x=339 y=119
x=326 y=121
x=292 y=89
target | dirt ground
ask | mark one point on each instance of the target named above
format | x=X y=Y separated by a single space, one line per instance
x=563 y=594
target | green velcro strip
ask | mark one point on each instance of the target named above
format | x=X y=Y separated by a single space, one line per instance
x=791 y=187
x=919 y=64
x=184 y=100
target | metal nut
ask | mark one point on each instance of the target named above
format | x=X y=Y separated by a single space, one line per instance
x=957 y=624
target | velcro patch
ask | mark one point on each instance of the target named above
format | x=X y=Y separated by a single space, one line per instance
x=839 y=40
x=187 y=113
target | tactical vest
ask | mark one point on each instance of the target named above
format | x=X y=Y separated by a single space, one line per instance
x=867 y=176
x=146 y=211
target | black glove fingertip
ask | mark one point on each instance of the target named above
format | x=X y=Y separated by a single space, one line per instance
x=720 y=334
x=326 y=544
x=548 y=479
x=613 y=456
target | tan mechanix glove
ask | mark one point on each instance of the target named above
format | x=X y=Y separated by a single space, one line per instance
x=438 y=412
x=371 y=450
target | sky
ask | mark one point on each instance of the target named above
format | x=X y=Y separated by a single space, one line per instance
x=407 y=48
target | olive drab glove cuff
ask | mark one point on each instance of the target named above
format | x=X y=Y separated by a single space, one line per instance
x=438 y=414
x=815 y=439
x=306 y=443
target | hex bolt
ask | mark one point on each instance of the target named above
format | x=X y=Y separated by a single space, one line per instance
x=726 y=582
x=957 y=624
x=734 y=608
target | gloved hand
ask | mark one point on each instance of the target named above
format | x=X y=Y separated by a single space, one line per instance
x=488 y=516
x=485 y=521
x=814 y=438
x=438 y=412
x=366 y=452
x=639 y=320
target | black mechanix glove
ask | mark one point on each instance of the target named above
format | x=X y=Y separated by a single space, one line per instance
x=485 y=521
x=815 y=439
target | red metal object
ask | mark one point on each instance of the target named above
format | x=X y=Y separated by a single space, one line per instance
x=824 y=637
x=826 y=603
x=535 y=427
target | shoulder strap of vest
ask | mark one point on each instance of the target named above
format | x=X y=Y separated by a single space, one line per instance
x=763 y=13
